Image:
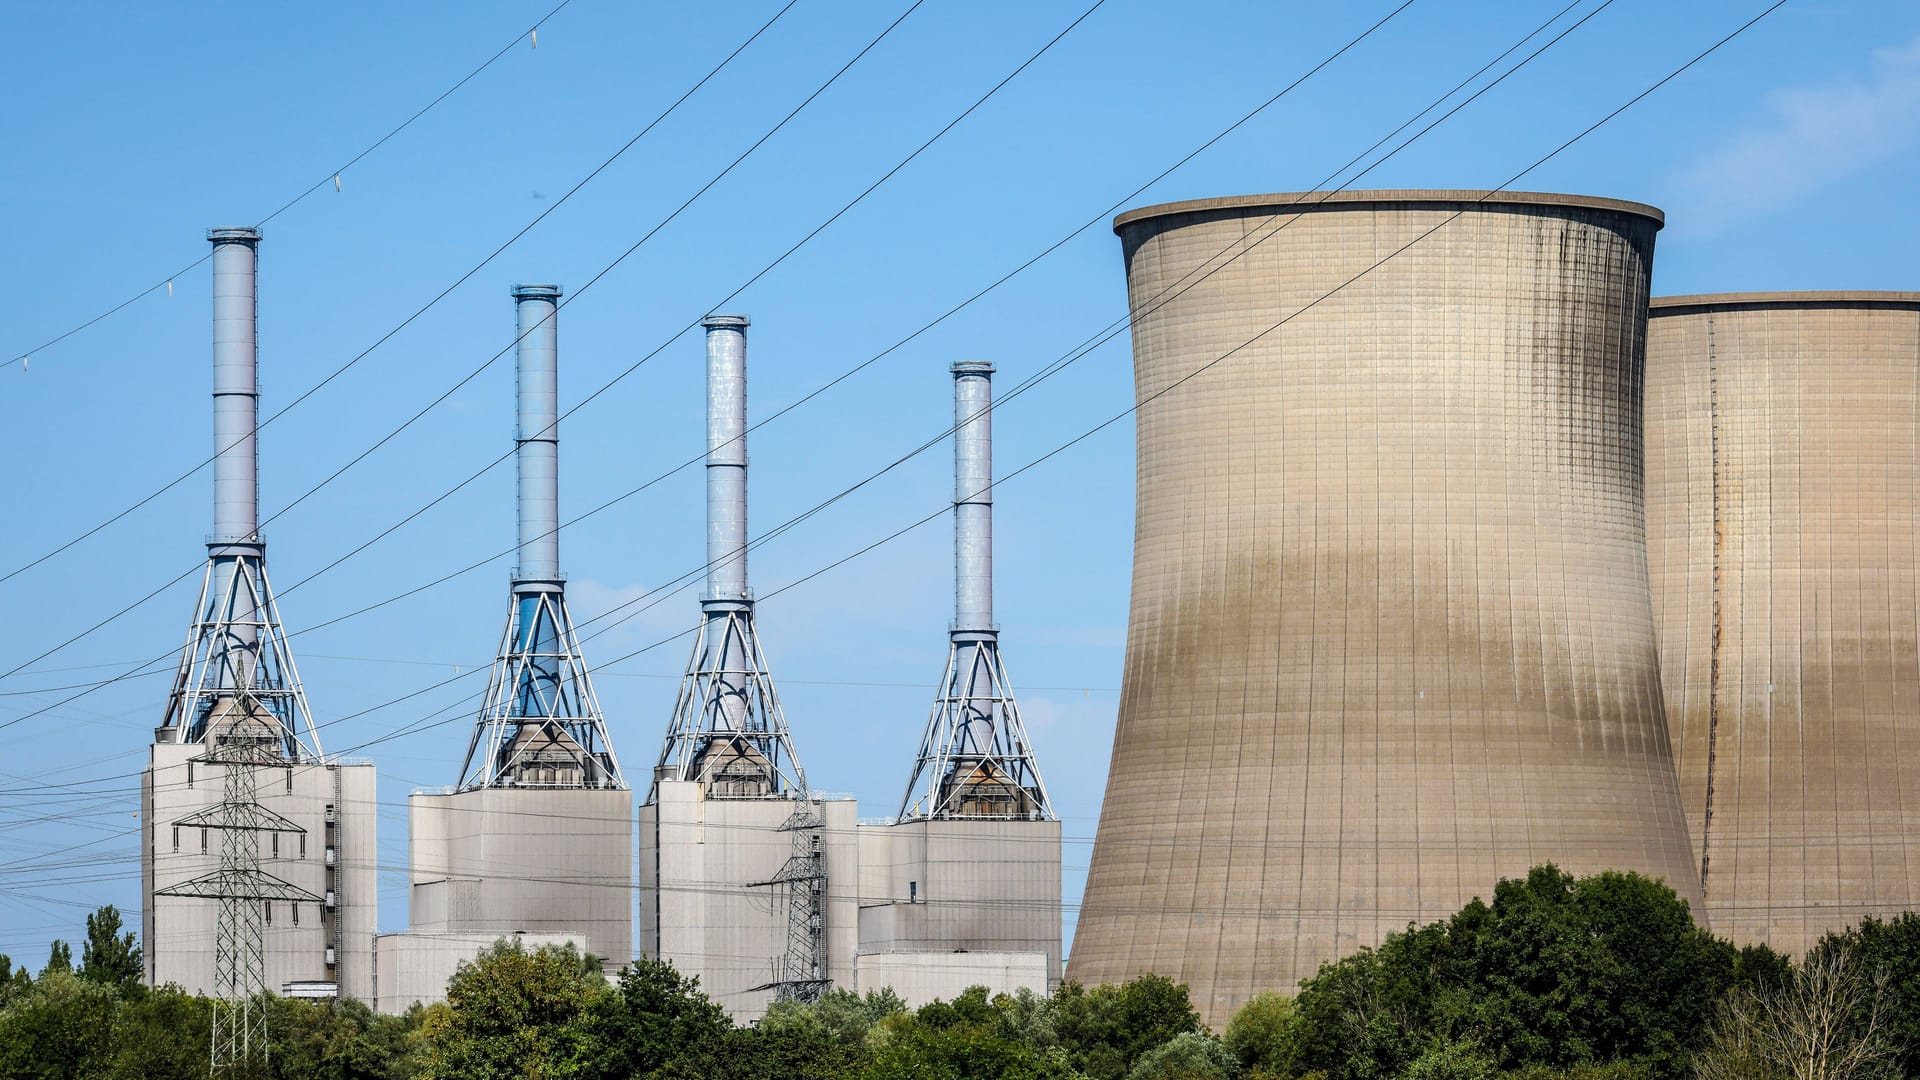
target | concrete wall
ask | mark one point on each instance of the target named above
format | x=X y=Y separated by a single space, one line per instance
x=415 y=967
x=1783 y=500
x=1391 y=637
x=502 y=860
x=977 y=885
x=700 y=909
x=921 y=977
x=178 y=933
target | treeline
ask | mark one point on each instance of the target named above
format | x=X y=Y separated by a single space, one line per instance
x=1598 y=978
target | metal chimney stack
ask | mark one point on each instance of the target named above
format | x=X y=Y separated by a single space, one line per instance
x=973 y=498
x=974 y=760
x=236 y=387
x=540 y=724
x=728 y=730
x=726 y=460
x=538 y=441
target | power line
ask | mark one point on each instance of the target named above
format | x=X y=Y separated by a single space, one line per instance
x=1098 y=339
x=332 y=177
x=468 y=378
x=404 y=323
x=823 y=388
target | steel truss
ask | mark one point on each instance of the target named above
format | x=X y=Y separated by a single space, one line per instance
x=803 y=971
x=975 y=760
x=237 y=644
x=728 y=731
x=239 y=1041
x=540 y=724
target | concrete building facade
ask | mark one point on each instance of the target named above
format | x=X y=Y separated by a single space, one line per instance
x=942 y=887
x=542 y=861
x=329 y=849
x=1783 y=506
x=712 y=898
x=1390 y=636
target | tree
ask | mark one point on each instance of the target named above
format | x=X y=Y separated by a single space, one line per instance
x=63 y=1027
x=1889 y=952
x=841 y=1015
x=59 y=958
x=1260 y=1035
x=107 y=957
x=1190 y=1055
x=1828 y=1022
x=1556 y=972
x=1106 y=1029
x=512 y=1013
x=910 y=1049
x=654 y=1016
x=1451 y=1061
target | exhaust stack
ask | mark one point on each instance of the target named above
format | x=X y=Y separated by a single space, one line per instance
x=237 y=686
x=974 y=760
x=728 y=730
x=726 y=460
x=541 y=724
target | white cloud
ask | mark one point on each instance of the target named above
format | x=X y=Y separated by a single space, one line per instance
x=1812 y=136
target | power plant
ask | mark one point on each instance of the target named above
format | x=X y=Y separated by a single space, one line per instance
x=258 y=852
x=1390 y=635
x=1454 y=555
x=537 y=838
x=1783 y=464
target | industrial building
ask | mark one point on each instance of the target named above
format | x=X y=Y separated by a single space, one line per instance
x=969 y=868
x=258 y=851
x=748 y=877
x=537 y=838
x=1390 y=636
x=1783 y=482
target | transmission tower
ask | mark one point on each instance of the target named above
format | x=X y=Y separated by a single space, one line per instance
x=802 y=972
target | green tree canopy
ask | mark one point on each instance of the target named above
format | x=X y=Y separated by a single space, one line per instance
x=1106 y=1029
x=108 y=956
x=513 y=1013
x=1556 y=972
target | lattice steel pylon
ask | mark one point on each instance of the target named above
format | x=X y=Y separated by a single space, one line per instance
x=540 y=724
x=240 y=960
x=975 y=760
x=802 y=972
x=728 y=731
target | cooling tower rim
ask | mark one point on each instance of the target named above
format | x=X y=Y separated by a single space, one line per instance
x=1857 y=298
x=1314 y=200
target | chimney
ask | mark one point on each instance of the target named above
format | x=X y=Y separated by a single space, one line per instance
x=726 y=461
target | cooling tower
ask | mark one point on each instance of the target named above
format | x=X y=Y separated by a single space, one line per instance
x=1783 y=535
x=1391 y=637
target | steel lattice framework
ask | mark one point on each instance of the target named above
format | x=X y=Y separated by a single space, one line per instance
x=728 y=730
x=541 y=724
x=236 y=644
x=242 y=889
x=975 y=759
x=803 y=970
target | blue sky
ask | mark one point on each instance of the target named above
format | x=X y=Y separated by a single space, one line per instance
x=1787 y=161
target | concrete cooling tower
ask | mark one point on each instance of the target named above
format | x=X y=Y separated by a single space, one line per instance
x=1783 y=507
x=1391 y=637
